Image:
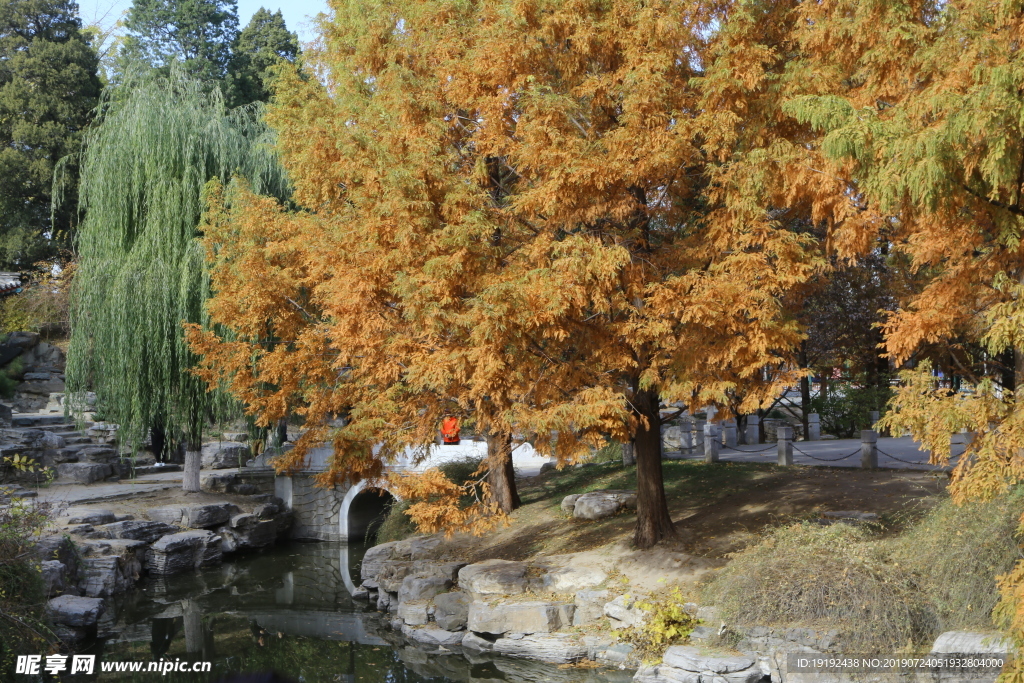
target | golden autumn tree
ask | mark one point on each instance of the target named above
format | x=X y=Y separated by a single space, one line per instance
x=510 y=208
x=903 y=124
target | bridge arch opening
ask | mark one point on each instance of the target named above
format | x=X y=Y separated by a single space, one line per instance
x=365 y=513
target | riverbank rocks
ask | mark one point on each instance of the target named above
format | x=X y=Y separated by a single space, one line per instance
x=589 y=606
x=74 y=618
x=107 y=575
x=84 y=515
x=247 y=532
x=54 y=577
x=137 y=530
x=204 y=516
x=84 y=472
x=494 y=577
x=523 y=617
x=433 y=636
x=415 y=588
x=686 y=664
x=177 y=553
x=221 y=455
x=555 y=648
x=568 y=579
x=625 y=612
x=451 y=610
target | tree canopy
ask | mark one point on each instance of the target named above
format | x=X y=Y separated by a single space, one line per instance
x=515 y=209
x=199 y=33
x=262 y=45
x=48 y=89
x=141 y=271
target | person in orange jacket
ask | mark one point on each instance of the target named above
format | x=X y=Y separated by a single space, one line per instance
x=450 y=431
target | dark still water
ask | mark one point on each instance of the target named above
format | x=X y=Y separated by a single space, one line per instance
x=288 y=610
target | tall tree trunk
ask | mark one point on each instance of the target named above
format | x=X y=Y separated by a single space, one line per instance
x=193 y=461
x=628 y=455
x=500 y=474
x=282 y=431
x=193 y=453
x=653 y=522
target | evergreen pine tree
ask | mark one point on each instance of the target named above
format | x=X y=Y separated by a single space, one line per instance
x=262 y=44
x=48 y=89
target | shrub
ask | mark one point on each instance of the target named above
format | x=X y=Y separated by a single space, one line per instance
x=396 y=525
x=881 y=594
x=22 y=629
x=826 y=578
x=667 y=623
x=847 y=408
x=956 y=553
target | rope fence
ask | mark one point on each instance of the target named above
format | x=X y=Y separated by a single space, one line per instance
x=905 y=462
x=814 y=457
x=740 y=450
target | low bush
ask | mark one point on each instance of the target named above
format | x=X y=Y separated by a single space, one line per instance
x=824 y=577
x=846 y=409
x=396 y=525
x=883 y=594
x=22 y=626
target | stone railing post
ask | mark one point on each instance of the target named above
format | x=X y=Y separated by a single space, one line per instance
x=785 y=438
x=813 y=427
x=686 y=439
x=698 y=436
x=869 y=449
x=711 y=441
x=729 y=433
x=753 y=429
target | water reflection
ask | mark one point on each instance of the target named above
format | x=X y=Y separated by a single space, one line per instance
x=290 y=610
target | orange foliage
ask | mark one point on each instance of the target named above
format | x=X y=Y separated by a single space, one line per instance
x=511 y=210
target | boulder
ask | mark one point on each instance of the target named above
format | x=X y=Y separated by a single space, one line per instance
x=379 y=556
x=601 y=504
x=494 y=577
x=84 y=472
x=58 y=548
x=75 y=611
x=205 y=516
x=422 y=587
x=556 y=648
x=433 y=636
x=269 y=510
x=451 y=611
x=569 y=579
x=107 y=575
x=54 y=577
x=413 y=614
x=168 y=514
x=589 y=606
x=624 y=612
x=184 y=551
x=569 y=502
x=686 y=664
x=239 y=437
x=138 y=530
x=424 y=547
x=472 y=641
x=85 y=515
x=221 y=455
x=968 y=642
x=247 y=532
x=524 y=617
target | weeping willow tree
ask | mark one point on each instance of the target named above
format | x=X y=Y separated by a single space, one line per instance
x=141 y=271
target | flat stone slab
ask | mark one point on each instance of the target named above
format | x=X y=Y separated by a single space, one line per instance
x=695 y=659
x=969 y=642
x=75 y=611
x=84 y=515
x=205 y=516
x=84 y=472
x=494 y=577
x=523 y=617
x=556 y=648
x=138 y=530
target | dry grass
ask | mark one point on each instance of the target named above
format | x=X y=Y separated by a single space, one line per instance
x=882 y=594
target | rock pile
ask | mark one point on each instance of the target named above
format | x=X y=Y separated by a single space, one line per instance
x=110 y=553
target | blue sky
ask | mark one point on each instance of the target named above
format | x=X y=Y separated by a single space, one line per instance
x=297 y=13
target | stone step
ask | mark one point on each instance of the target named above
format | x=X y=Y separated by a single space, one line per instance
x=153 y=469
x=75 y=438
x=38 y=420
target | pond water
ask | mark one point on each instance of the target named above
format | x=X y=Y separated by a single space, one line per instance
x=288 y=611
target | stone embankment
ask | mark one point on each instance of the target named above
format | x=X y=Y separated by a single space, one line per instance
x=552 y=611
x=99 y=554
